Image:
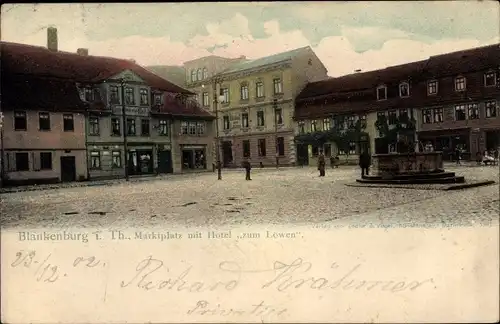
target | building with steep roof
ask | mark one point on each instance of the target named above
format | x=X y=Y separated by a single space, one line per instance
x=453 y=97
x=64 y=117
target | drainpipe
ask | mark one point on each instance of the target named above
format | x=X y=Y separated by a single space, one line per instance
x=124 y=116
x=85 y=119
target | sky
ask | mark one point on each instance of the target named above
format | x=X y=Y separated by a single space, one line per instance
x=346 y=36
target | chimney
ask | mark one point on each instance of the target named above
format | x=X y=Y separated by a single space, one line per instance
x=242 y=57
x=132 y=60
x=82 y=51
x=52 y=39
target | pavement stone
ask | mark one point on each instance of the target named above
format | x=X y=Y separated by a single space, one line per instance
x=285 y=196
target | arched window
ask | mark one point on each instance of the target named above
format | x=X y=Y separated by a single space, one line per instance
x=193 y=75
x=200 y=75
x=205 y=73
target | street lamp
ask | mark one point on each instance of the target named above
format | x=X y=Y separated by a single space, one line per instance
x=217 y=99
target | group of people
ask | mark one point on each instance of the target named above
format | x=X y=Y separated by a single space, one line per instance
x=490 y=157
x=364 y=163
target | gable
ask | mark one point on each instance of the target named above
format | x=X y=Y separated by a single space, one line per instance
x=129 y=76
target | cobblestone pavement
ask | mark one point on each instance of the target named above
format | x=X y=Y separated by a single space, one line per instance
x=288 y=196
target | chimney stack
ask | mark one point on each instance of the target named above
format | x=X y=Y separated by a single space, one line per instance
x=52 y=39
x=82 y=51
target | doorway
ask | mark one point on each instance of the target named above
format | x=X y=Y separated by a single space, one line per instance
x=302 y=154
x=140 y=162
x=165 y=162
x=227 y=153
x=68 y=169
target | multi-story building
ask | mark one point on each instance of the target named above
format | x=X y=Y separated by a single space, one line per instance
x=255 y=117
x=453 y=99
x=118 y=103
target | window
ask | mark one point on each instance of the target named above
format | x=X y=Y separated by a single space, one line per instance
x=278 y=86
x=226 y=122
x=313 y=125
x=261 y=146
x=351 y=122
x=22 y=162
x=200 y=75
x=381 y=93
x=20 y=121
x=302 y=128
x=314 y=150
x=246 y=148
x=205 y=73
x=131 y=127
x=113 y=95
x=97 y=94
x=88 y=94
x=432 y=87
x=145 y=127
x=392 y=117
x=473 y=111
x=115 y=127
x=279 y=116
x=144 y=97
x=193 y=75
x=380 y=115
x=403 y=113
x=460 y=83
x=404 y=89
x=44 y=121
x=129 y=96
x=192 y=128
x=116 y=159
x=280 y=146
x=244 y=120
x=93 y=125
x=259 y=87
x=490 y=79
x=95 y=160
x=260 y=118
x=244 y=92
x=68 y=123
x=326 y=124
x=157 y=97
x=362 y=119
x=438 y=115
x=491 y=108
x=460 y=112
x=200 y=128
x=352 y=148
x=206 y=101
x=163 y=128
x=45 y=161
x=427 y=116
x=225 y=94
x=184 y=128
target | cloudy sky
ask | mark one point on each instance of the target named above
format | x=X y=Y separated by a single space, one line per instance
x=345 y=35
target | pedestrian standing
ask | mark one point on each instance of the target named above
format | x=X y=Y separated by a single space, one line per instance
x=321 y=164
x=495 y=155
x=457 y=155
x=248 y=167
x=364 y=163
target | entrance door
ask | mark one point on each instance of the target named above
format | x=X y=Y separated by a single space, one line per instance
x=227 y=153
x=165 y=162
x=68 y=168
x=302 y=154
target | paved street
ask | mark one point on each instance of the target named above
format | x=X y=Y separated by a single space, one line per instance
x=287 y=196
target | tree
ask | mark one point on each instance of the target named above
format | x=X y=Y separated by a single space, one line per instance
x=404 y=126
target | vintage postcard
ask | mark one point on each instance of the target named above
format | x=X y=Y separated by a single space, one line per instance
x=259 y=162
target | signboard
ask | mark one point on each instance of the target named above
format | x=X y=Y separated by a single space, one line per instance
x=132 y=111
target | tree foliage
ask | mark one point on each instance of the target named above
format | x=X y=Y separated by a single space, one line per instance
x=342 y=137
x=403 y=125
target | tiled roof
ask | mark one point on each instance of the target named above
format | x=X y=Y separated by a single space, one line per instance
x=39 y=61
x=45 y=94
x=276 y=58
x=172 y=105
x=475 y=59
x=362 y=81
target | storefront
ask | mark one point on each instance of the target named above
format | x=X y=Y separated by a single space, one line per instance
x=194 y=157
x=140 y=161
x=448 y=141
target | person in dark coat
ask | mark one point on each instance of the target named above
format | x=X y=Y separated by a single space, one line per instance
x=321 y=164
x=457 y=155
x=247 y=167
x=364 y=163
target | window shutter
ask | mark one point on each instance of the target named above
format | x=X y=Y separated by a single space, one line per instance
x=36 y=161
x=11 y=161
